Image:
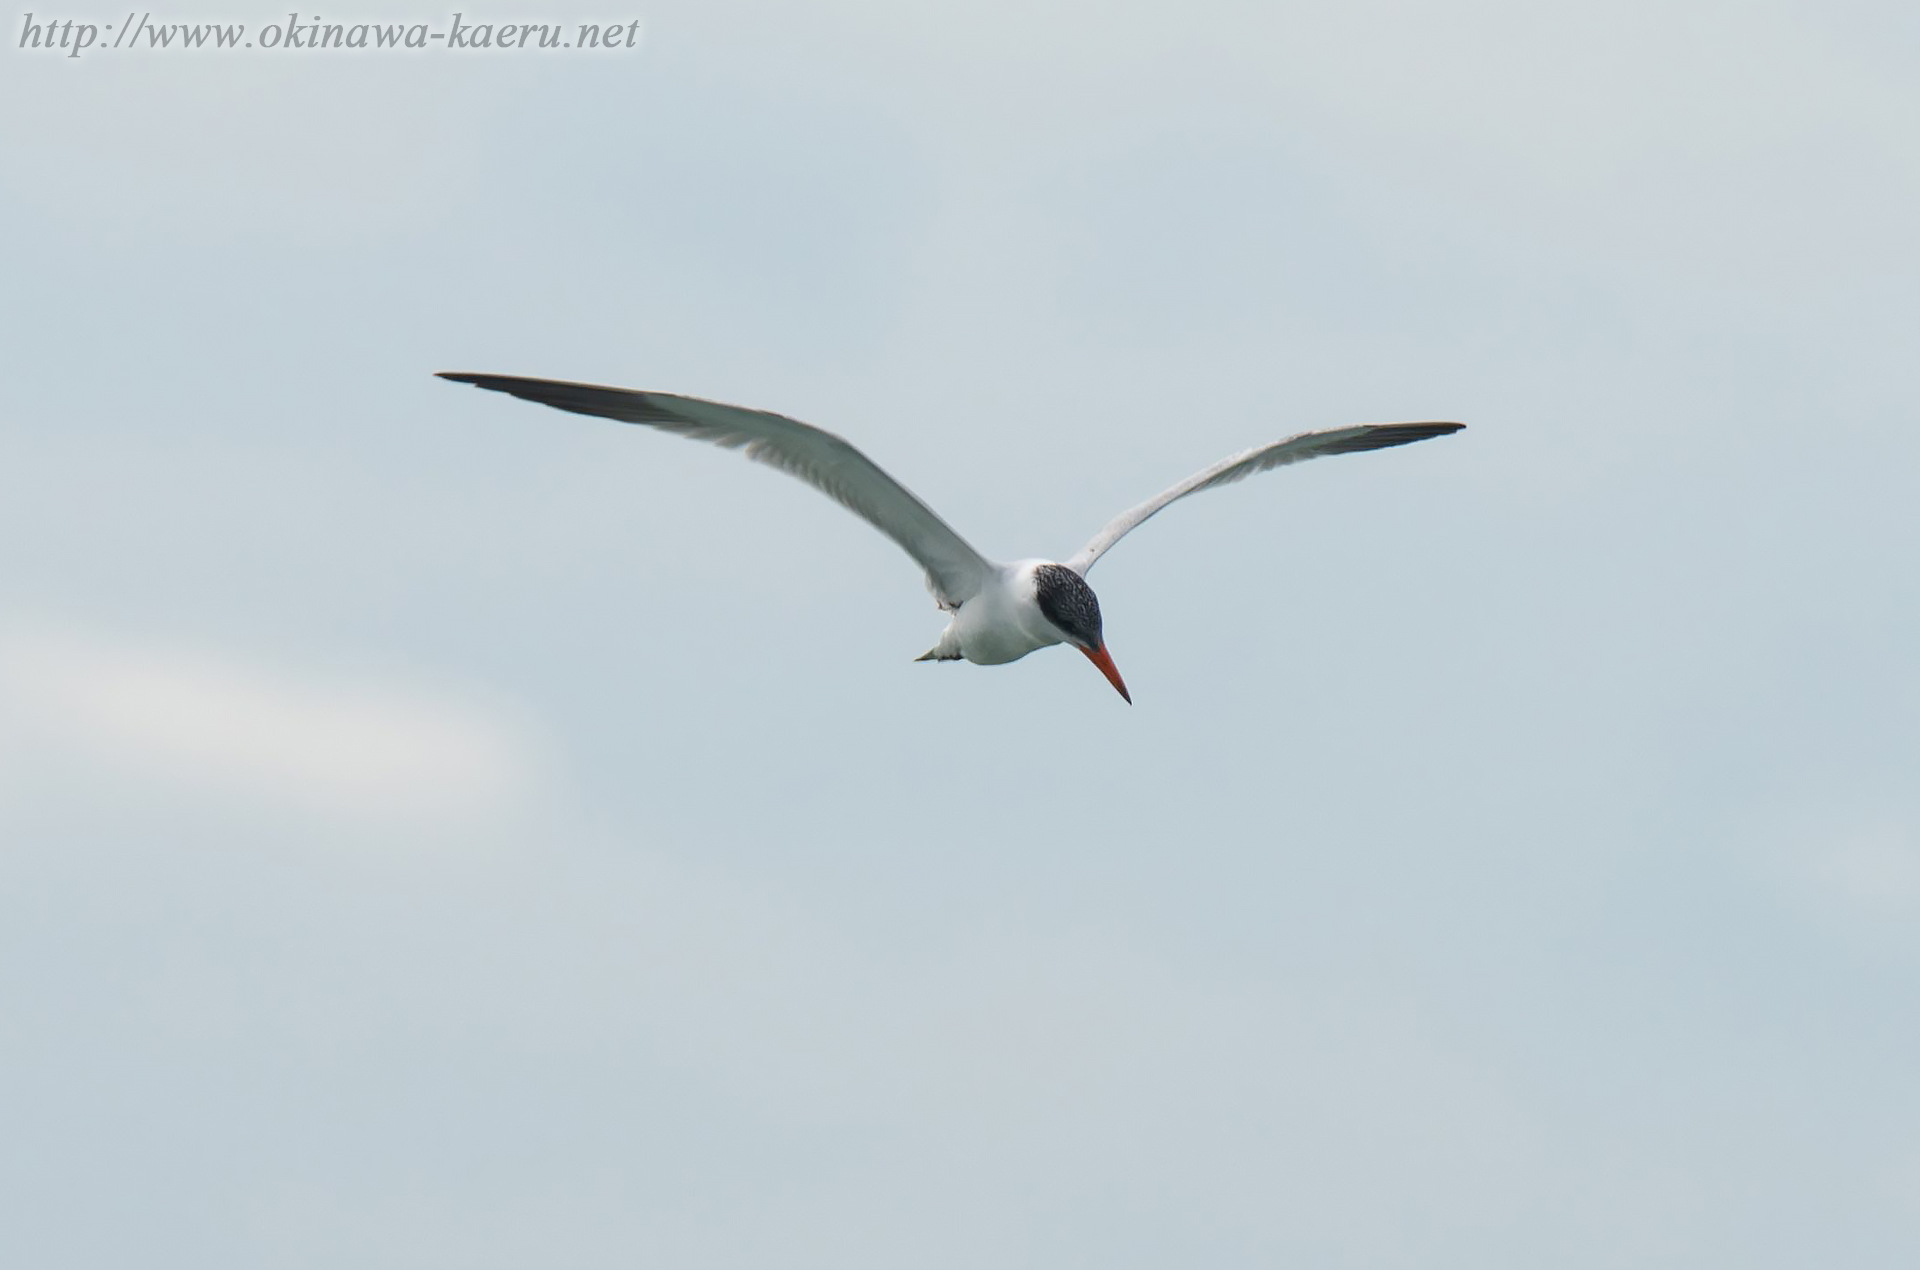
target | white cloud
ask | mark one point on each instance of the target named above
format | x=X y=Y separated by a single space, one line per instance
x=1875 y=872
x=214 y=722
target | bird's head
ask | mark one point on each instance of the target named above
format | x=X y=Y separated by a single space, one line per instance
x=1068 y=603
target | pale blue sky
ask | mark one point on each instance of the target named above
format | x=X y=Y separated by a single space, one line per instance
x=440 y=832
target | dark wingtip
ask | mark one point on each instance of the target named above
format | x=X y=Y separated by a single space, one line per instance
x=550 y=392
x=1421 y=431
x=1386 y=435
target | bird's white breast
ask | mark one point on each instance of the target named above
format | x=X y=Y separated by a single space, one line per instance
x=1002 y=623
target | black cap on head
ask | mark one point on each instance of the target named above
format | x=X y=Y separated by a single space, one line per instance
x=1067 y=601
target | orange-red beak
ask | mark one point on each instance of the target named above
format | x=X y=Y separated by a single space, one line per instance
x=1098 y=656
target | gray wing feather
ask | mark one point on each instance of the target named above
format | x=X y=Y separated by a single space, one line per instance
x=1295 y=449
x=955 y=571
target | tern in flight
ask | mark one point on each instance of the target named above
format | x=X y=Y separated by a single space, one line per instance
x=1001 y=610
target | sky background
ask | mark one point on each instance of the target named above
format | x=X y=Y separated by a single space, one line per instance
x=436 y=831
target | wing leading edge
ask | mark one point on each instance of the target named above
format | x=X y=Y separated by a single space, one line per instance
x=832 y=465
x=1294 y=449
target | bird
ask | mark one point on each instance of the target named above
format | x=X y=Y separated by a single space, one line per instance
x=1001 y=610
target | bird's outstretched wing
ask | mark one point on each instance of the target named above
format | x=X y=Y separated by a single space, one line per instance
x=955 y=571
x=1295 y=449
